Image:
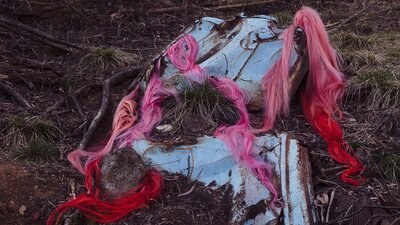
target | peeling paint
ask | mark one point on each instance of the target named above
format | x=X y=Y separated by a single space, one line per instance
x=211 y=162
x=242 y=49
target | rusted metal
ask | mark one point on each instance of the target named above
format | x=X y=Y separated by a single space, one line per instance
x=243 y=49
x=210 y=161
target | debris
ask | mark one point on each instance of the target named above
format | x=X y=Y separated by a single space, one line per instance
x=212 y=162
x=22 y=210
x=165 y=128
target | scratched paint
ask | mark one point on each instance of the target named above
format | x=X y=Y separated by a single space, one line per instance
x=243 y=49
x=210 y=161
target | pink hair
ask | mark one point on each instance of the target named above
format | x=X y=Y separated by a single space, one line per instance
x=238 y=137
x=183 y=55
x=324 y=88
x=275 y=85
x=91 y=203
x=151 y=110
x=124 y=118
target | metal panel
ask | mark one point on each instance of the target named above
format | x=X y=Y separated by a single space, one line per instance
x=243 y=49
x=210 y=161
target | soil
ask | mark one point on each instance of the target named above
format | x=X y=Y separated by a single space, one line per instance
x=44 y=75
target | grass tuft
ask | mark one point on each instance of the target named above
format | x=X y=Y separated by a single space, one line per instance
x=350 y=40
x=390 y=166
x=20 y=131
x=107 y=59
x=38 y=150
x=200 y=100
x=379 y=89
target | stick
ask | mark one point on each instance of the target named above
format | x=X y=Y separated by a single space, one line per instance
x=76 y=93
x=330 y=204
x=35 y=38
x=10 y=91
x=77 y=105
x=38 y=65
x=239 y=5
x=79 y=12
x=335 y=28
x=20 y=26
x=105 y=102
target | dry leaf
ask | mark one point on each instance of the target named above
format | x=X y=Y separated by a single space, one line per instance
x=3 y=76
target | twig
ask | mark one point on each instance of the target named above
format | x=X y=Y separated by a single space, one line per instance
x=79 y=12
x=76 y=93
x=347 y=213
x=77 y=105
x=188 y=192
x=330 y=204
x=22 y=27
x=27 y=82
x=35 y=38
x=335 y=28
x=10 y=91
x=105 y=102
x=38 y=65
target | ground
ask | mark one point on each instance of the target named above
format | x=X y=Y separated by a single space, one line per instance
x=63 y=89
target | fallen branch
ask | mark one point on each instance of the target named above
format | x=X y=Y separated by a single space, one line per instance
x=17 y=27
x=330 y=204
x=77 y=105
x=239 y=5
x=35 y=38
x=13 y=93
x=336 y=27
x=79 y=12
x=232 y=6
x=105 y=101
x=76 y=93
x=31 y=63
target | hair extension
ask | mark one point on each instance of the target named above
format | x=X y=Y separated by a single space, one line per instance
x=275 y=85
x=238 y=137
x=324 y=88
x=92 y=207
x=151 y=111
x=124 y=118
x=183 y=55
x=91 y=203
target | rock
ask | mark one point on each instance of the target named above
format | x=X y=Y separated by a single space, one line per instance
x=122 y=170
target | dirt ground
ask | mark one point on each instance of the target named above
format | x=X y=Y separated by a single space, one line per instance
x=61 y=89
